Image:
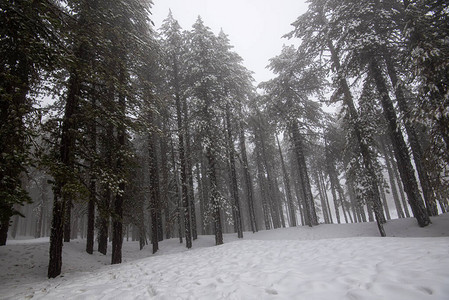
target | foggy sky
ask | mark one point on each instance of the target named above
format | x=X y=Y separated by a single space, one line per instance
x=254 y=27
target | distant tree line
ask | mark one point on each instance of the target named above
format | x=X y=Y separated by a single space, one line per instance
x=157 y=134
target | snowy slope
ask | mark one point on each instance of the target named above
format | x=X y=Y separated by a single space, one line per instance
x=345 y=261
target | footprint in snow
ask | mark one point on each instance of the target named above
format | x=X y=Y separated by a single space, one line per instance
x=271 y=291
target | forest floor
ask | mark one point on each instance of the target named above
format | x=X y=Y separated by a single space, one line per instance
x=347 y=261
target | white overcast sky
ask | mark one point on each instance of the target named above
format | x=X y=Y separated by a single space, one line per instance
x=255 y=27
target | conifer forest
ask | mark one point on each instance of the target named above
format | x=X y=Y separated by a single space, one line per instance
x=113 y=128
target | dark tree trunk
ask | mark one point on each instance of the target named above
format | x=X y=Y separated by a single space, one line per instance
x=103 y=221
x=141 y=227
x=91 y=217
x=394 y=190
x=262 y=186
x=184 y=179
x=273 y=199
x=334 y=197
x=56 y=235
x=248 y=181
x=117 y=224
x=178 y=194
x=288 y=193
x=418 y=154
x=68 y=219
x=201 y=197
x=117 y=228
x=67 y=155
x=233 y=176
x=355 y=206
x=398 y=181
x=92 y=190
x=214 y=194
x=279 y=202
x=400 y=149
x=298 y=191
x=164 y=195
x=189 y=173
x=154 y=186
x=4 y=226
x=341 y=195
x=322 y=199
x=326 y=198
x=368 y=160
x=384 y=202
x=303 y=174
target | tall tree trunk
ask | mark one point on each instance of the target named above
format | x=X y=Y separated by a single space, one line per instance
x=398 y=181
x=368 y=160
x=288 y=193
x=117 y=225
x=341 y=195
x=248 y=182
x=164 y=196
x=326 y=198
x=298 y=191
x=189 y=172
x=154 y=185
x=200 y=193
x=384 y=202
x=56 y=235
x=92 y=188
x=184 y=180
x=322 y=199
x=261 y=176
x=214 y=194
x=303 y=174
x=233 y=176
x=103 y=221
x=394 y=190
x=67 y=156
x=401 y=152
x=355 y=205
x=91 y=215
x=279 y=202
x=418 y=154
x=334 y=197
x=178 y=192
x=262 y=186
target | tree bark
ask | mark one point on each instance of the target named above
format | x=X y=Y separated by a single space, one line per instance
x=288 y=193
x=117 y=224
x=400 y=187
x=394 y=190
x=303 y=174
x=233 y=176
x=401 y=152
x=91 y=216
x=373 y=189
x=182 y=158
x=154 y=186
x=418 y=153
x=248 y=182
x=67 y=155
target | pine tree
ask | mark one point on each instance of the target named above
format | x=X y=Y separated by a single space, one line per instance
x=30 y=47
x=317 y=33
x=289 y=91
x=172 y=43
x=205 y=90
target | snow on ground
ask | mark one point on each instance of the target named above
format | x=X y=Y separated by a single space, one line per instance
x=347 y=261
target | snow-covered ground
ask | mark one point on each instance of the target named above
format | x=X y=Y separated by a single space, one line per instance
x=347 y=261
